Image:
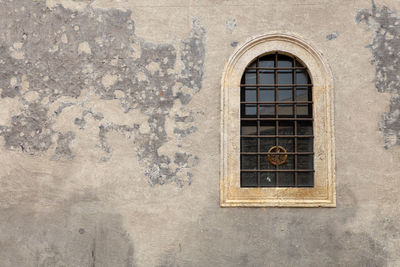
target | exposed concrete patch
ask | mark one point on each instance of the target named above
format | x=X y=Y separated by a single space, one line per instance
x=390 y=124
x=385 y=49
x=63 y=150
x=80 y=122
x=67 y=47
x=192 y=56
x=30 y=130
x=182 y=133
x=103 y=130
x=332 y=36
x=181 y=159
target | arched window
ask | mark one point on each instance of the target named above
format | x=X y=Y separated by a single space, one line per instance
x=277 y=134
x=276 y=141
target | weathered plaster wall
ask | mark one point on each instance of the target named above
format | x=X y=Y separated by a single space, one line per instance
x=109 y=132
x=385 y=49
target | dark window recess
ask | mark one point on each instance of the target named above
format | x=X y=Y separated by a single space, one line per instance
x=276 y=136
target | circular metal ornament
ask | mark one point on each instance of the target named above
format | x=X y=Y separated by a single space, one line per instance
x=277 y=159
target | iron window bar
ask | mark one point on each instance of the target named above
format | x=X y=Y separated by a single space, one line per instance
x=293 y=114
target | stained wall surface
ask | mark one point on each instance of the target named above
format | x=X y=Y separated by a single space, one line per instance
x=109 y=131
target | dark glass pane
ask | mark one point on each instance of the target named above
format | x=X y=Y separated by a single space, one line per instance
x=266 y=144
x=289 y=163
x=253 y=64
x=265 y=164
x=267 y=94
x=287 y=144
x=267 y=127
x=286 y=128
x=248 y=144
x=305 y=179
x=267 y=110
x=286 y=179
x=299 y=64
x=250 y=77
x=249 y=110
x=285 y=94
x=248 y=162
x=302 y=77
x=248 y=128
x=305 y=162
x=304 y=144
x=304 y=128
x=302 y=94
x=267 y=77
x=248 y=179
x=249 y=94
x=285 y=111
x=267 y=61
x=304 y=111
x=267 y=179
x=285 y=61
x=285 y=77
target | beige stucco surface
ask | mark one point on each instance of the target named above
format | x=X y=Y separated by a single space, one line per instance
x=106 y=202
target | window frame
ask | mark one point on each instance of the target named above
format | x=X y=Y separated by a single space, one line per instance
x=323 y=194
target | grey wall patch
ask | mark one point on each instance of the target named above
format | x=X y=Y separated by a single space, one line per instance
x=30 y=130
x=103 y=130
x=54 y=53
x=67 y=236
x=63 y=150
x=231 y=25
x=385 y=49
x=390 y=124
x=332 y=36
x=81 y=122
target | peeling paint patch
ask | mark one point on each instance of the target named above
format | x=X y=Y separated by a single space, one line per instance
x=54 y=52
x=234 y=44
x=385 y=49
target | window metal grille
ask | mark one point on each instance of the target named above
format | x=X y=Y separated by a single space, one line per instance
x=276 y=123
